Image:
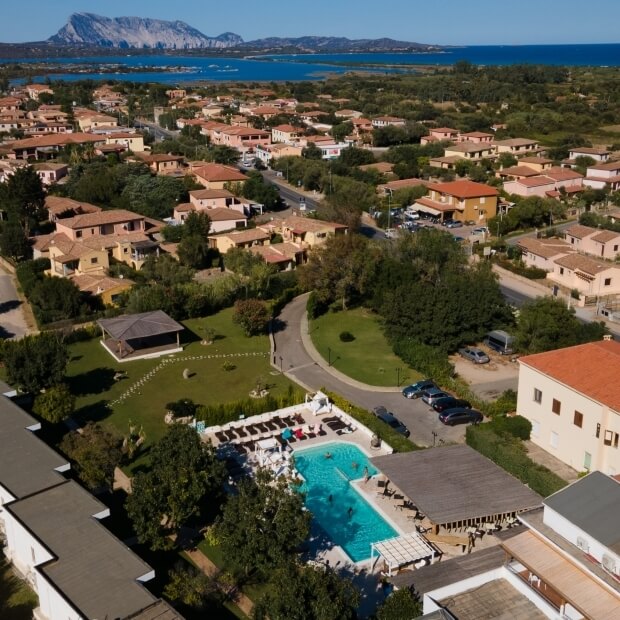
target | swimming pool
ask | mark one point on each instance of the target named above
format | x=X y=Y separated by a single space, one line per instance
x=329 y=477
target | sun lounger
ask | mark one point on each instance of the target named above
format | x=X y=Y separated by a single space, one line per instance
x=299 y=434
x=222 y=436
x=241 y=431
x=271 y=425
x=279 y=422
x=252 y=429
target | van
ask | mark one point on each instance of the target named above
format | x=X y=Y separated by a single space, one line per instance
x=500 y=341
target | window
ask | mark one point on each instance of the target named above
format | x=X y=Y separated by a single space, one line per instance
x=554 y=439
x=607 y=282
x=608 y=438
x=537 y=395
x=587 y=460
x=535 y=428
x=94 y=260
x=578 y=419
x=78 y=233
x=561 y=271
x=556 y=406
x=616 y=438
x=616 y=248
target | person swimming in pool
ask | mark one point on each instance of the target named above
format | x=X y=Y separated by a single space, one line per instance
x=328 y=455
x=350 y=512
x=330 y=499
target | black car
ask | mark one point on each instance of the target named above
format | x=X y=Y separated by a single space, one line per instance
x=415 y=389
x=460 y=415
x=450 y=402
x=391 y=420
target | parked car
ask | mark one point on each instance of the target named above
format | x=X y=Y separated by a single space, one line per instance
x=474 y=354
x=390 y=233
x=431 y=395
x=458 y=239
x=460 y=415
x=481 y=230
x=500 y=341
x=450 y=402
x=454 y=224
x=391 y=420
x=415 y=389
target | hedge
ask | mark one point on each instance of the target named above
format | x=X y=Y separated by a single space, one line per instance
x=379 y=428
x=223 y=413
x=510 y=454
x=531 y=273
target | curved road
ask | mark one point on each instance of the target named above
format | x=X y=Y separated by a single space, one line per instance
x=301 y=362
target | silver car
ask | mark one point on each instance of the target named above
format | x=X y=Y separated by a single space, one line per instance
x=433 y=394
x=477 y=356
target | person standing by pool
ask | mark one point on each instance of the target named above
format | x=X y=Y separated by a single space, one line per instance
x=366 y=474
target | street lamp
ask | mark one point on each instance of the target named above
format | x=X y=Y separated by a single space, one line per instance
x=280 y=363
x=329 y=356
x=398 y=376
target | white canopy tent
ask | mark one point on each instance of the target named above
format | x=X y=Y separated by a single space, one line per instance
x=401 y=551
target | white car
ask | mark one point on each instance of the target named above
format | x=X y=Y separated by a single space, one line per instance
x=481 y=230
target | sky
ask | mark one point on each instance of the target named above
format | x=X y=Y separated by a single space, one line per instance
x=444 y=22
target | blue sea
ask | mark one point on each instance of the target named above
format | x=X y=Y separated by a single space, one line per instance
x=296 y=67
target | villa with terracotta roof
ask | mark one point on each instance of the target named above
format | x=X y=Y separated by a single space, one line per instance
x=388 y=121
x=240 y=138
x=309 y=231
x=460 y=200
x=593 y=241
x=216 y=176
x=572 y=398
x=285 y=256
x=541 y=253
x=517 y=146
x=59 y=207
x=285 y=133
x=602 y=176
x=239 y=239
x=269 y=152
x=160 y=163
x=439 y=134
x=470 y=150
x=44 y=147
x=548 y=184
x=593 y=278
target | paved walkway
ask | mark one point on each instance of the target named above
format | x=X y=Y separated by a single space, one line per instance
x=294 y=354
x=542 y=457
x=13 y=319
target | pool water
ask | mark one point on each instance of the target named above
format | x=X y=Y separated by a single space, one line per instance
x=354 y=530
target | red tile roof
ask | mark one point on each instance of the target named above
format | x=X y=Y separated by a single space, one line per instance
x=591 y=369
x=464 y=189
x=218 y=172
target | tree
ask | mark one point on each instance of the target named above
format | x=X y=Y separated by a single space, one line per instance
x=312 y=151
x=198 y=223
x=35 y=362
x=14 y=242
x=262 y=524
x=342 y=269
x=308 y=593
x=194 y=252
x=400 y=604
x=95 y=451
x=24 y=198
x=252 y=315
x=154 y=196
x=191 y=587
x=255 y=188
x=185 y=475
x=165 y=270
x=55 y=299
x=547 y=323
x=55 y=404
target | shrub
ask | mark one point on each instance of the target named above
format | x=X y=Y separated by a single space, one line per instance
x=182 y=408
x=429 y=361
x=252 y=315
x=510 y=454
x=287 y=295
x=346 y=337
x=315 y=307
x=517 y=426
x=531 y=273
x=30 y=272
x=379 y=428
x=228 y=366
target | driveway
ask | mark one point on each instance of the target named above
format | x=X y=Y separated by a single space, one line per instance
x=12 y=320
x=303 y=365
x=488 y=381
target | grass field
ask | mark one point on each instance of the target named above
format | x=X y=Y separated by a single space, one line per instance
x=17 y=600
x=369 y=358
x=91 y=371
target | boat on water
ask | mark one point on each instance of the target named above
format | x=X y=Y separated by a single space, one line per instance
x=213 y=66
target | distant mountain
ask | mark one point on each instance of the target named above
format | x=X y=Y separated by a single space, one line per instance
x=337 y=44
x=137 y=32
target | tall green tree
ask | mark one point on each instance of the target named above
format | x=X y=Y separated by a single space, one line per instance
x=185 y=477
x=308 y=593
x=23 y=198
x=14 y=242
x=55 y=404
x=262 y=524
x=95 y=452
x=399 y=605
x=35 y=362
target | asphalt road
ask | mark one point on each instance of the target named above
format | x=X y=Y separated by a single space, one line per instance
x=12 y=321
x=159 y=133
x=294 y=360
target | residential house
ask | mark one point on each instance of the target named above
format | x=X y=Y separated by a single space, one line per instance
x=130 y=141
x=223 y=219
x=382 y=167
x=560 y=562
x=388 y=121
x=460 y=200
x=285 y=256
x=270 y=152
x=539 y=164
x=361 y=126
x=203 y=199
x=516 y=146
x=599 y=155
x=591 y=277
x=309 y=231
x=572 y=399
x=106 y=288
x=68 y=258
x=285 y=133
x=331 y=151
x=10 y=104
x=265 y=111
x=239 y=239
x=218 y=176
x=439 y=134
x=516 y=172
x=477 y=137
x=59 y=207
x=541 y=253
x=34 y=91
x=101 y=223
x=176 y=93
x=593 y=241
x=537 y=185
x=161 y=163
x=51 y=173
x=240 y=138
x=44 y=147
x=348 y=114
x=93 y=120
x=51 y=533
x=602 y=176
x=471 y=150
x=316 y=140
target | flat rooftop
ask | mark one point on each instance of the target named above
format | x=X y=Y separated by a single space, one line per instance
x=496 y=600
x=456 y=483
x=95 y=572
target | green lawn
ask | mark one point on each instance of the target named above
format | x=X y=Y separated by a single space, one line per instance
x=91 y=372
x=369 y=358
x=17 y=600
